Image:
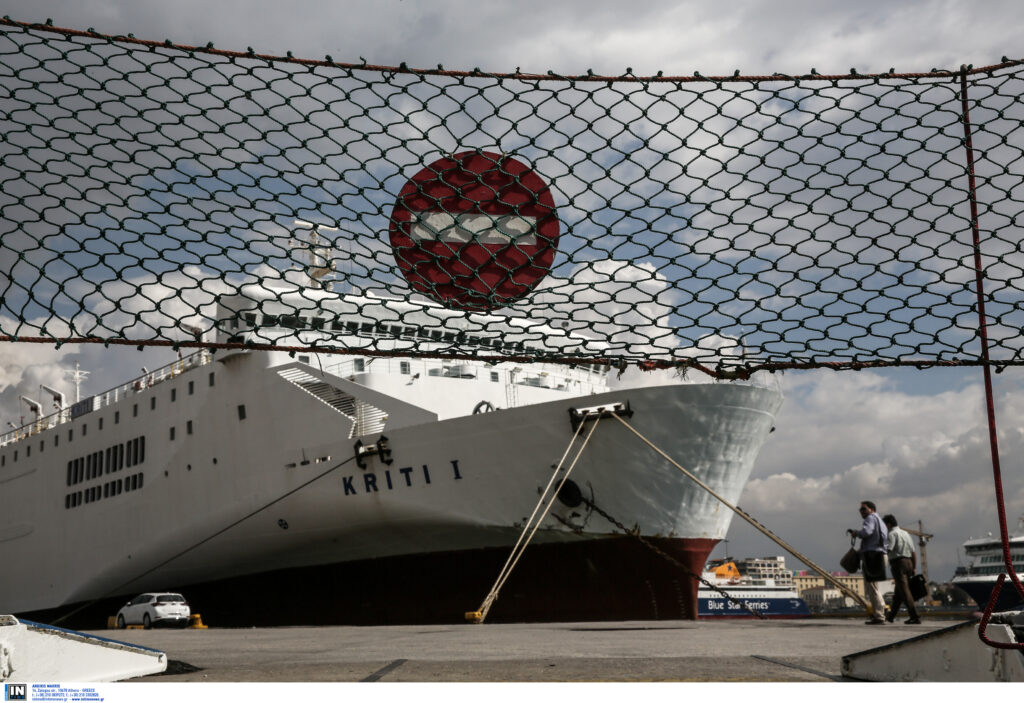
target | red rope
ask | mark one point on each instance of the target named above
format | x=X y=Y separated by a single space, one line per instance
x=989 y=399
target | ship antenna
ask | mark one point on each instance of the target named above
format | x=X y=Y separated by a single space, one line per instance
x=78 y=376
x=317 y=253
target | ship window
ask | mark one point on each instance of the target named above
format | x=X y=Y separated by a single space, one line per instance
x=142 y=450
x=67 y=501
x=211 y=378
x=85 y=429
x=129 y=458
x=15 y=454
x=140 y=480
x=56 y=440
x=172 y=434
x=152 y=403
x=494 y=376
x=71 y=435
x=118 y=489
x=71 y=472
x=135 y=410
x=403 y=366
x=174 y=394
x=191 y=387
x=106 y=461
x=270 y=320
x=117 y=417
x=250 y=318
x=358 y=365
x=304 y=359
x=101 y=423
x=106 y=490
x=120 y=457
x=318 y=323
x=28 y=452
x=88 y=466
x=188 y=427
x=241 y=412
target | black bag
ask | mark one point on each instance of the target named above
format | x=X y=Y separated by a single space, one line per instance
x=874 y=566
x=918 y=588
x=851 y=560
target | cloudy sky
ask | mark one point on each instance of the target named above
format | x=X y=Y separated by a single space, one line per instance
x=913 y=441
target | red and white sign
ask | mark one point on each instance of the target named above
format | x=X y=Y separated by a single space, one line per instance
x=475 y=231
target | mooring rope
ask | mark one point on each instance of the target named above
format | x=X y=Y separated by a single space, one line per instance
x=531 y=525
x=757 y=525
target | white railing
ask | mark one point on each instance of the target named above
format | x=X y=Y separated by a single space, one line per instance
x=109 y=397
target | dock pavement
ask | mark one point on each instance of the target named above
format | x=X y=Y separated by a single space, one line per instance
x=660 y=651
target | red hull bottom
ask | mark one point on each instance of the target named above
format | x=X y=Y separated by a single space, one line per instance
x=609 y=579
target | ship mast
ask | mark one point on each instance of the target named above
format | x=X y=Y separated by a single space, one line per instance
x=78 y=376
x=318 y=263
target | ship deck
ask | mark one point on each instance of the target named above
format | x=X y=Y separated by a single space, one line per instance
x=682 y=651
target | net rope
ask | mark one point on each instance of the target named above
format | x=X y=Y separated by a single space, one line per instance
x=159 y=194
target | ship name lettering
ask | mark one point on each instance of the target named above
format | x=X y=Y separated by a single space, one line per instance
x=347 y=482
x=405 y=472
x=370 y=484
x=370 y=481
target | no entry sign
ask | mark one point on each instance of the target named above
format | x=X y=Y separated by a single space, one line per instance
x=475 y=231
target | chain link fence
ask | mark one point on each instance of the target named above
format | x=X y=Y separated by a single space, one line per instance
x=730 y=223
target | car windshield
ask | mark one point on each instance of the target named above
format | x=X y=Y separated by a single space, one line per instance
x=170 y=599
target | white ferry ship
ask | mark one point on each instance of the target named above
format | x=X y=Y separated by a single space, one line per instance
x=979 y=577
x=273 y=488
x=745 y=595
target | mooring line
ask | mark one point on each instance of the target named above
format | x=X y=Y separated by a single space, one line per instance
x=757 y=525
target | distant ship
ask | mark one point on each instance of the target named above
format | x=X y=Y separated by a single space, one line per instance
x=979 y=577
x=309 y=488
x=760 y=595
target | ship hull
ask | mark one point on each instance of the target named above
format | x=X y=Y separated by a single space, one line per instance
x=610 y=579
x=766 y=605
x=264 y=498
x=980 y=589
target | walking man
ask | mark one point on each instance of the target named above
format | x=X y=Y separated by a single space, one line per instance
x=873 y=544
x=903 y=562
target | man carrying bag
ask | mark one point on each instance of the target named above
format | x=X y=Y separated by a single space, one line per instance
x=873 y=545
x=903 y=562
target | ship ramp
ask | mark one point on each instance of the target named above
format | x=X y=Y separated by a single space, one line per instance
x=31 y=652
x=951 y=654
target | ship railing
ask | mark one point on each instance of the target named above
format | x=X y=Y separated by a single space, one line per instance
x=583 y=383
x=109 y=397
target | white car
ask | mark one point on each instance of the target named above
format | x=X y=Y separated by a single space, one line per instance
x=149 y=609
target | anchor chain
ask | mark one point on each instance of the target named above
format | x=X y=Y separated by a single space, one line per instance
x=665 y=555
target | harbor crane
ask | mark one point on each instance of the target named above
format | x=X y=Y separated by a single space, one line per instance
x=922 y=544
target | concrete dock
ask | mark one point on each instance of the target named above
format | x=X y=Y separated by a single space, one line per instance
x=707 y=650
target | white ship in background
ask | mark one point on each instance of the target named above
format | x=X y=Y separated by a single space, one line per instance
x=313 y=488
x=979 y=577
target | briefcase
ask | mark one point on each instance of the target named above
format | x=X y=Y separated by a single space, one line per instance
x=918 y=588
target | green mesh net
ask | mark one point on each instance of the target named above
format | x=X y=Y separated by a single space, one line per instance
x=160 y=194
